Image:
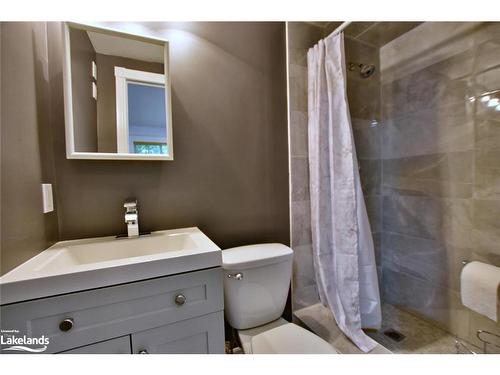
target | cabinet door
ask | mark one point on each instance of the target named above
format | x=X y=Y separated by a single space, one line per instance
x=201 y=335
x=120 y=345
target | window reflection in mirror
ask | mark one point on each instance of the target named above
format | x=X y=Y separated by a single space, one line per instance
x=119 y=94
x=147 y=119
x=140 y=106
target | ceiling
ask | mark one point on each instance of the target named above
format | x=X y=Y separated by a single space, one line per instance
x=374 y=33
x=108 y=44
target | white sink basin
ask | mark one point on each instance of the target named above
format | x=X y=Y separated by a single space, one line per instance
x=76 y=253
x=70 y=266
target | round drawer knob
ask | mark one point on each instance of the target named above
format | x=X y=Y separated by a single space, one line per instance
x=143 y=351
x=66 y=324
x=180 y=299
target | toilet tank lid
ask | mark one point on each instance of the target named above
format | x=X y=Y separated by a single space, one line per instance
x=252 y=256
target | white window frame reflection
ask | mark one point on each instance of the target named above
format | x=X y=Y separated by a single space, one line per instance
x=123 y=77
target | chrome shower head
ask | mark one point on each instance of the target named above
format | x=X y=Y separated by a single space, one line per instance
x=365 y=70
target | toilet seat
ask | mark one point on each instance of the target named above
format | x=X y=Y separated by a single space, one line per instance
x=281 y=337
x=290 y=339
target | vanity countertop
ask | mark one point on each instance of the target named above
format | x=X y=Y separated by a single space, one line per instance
x=77 y=265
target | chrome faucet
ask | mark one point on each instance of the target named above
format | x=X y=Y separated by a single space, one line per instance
x=132 y=218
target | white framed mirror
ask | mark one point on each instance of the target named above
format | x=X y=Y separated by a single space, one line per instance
x=117 y=95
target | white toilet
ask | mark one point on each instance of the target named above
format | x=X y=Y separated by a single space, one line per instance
x=256 y=282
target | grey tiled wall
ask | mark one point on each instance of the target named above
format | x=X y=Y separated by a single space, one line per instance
x=301 y=36
x=365 y=107
x=429 y=163
x=441 y=168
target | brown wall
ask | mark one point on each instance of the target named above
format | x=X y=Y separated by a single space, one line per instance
x=230 y=173
x=84 y=105
x=106 y=88
x=26 y=144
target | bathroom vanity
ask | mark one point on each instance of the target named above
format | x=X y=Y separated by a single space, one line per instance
x=160 y=293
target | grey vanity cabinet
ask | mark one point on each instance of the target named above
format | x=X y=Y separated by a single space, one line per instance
x=120 y=345
x=195 y=336
x=174 y=314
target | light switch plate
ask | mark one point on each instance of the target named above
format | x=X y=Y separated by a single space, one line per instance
x=94 y=90
x=48 y=200
x=94 y=70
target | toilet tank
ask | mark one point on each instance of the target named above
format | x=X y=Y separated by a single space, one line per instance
x=256 y=283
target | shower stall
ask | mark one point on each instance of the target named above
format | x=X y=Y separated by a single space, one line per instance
x=424 y=102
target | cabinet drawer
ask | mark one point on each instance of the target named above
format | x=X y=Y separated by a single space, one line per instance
x=202 y=335
x=120 y=345
x=99 y=314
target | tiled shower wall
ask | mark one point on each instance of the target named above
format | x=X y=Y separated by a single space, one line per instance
x=364 y=106
x=365 y=109
x=429 y=159
x=301 y=36
x=441 y=168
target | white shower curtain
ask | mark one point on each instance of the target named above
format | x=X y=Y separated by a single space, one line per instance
x=344 y=259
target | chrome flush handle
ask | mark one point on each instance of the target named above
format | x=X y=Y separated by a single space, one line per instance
x=236 y=276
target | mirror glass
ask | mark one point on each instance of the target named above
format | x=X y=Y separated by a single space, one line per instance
x=117 y=95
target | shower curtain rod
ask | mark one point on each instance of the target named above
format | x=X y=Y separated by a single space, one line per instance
x=341 y=27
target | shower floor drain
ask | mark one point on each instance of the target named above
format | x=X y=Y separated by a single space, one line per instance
x=394 y=335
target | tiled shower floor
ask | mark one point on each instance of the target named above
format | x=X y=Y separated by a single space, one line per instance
x=320 y=320
x=421 y=336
